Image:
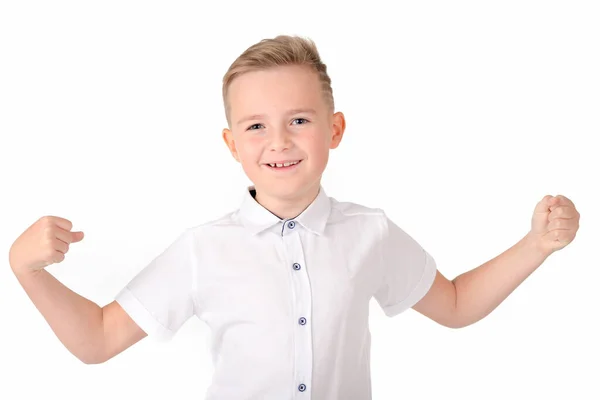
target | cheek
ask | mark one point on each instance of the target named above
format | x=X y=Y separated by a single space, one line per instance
x=249 y=150
x=319 y=153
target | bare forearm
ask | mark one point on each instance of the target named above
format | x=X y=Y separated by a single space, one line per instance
x=480 y=290
x=76 y=321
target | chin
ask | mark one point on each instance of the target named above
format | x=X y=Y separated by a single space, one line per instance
x=282 y=189
x=286 y=189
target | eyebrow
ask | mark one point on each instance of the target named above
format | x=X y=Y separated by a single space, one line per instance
x=290 y=112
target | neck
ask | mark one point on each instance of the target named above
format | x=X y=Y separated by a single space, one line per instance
x=287 y=207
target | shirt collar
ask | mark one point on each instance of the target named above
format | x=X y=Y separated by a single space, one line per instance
x=257 y=218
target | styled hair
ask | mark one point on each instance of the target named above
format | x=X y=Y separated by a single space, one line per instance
x=282 y=50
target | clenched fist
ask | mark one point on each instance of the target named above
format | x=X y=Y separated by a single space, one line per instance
x=555 y=223
x=44 y=243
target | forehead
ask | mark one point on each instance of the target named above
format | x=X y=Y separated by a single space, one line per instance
x=274 y=90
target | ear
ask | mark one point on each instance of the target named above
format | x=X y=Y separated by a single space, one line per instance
x=228 y=139
x=338 y=128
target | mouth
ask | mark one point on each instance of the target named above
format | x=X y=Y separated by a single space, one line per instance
x=283 y=165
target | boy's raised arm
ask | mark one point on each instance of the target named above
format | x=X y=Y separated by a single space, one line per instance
x=473 y=295
x=91 y=333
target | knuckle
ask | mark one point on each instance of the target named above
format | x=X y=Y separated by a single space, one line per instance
x=560 y=211
x=47 y=231
x=48 y=242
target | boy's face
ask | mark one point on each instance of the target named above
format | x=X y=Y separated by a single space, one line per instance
x=280 y=115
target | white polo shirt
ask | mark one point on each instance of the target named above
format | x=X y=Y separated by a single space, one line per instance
x=287 y=301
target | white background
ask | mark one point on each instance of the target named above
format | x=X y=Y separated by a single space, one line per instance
x=461 y=116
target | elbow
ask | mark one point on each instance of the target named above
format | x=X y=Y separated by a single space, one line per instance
x=91 y=361
x=452 y=320
x=458 y=324
x=92 y=358
x=460 y=320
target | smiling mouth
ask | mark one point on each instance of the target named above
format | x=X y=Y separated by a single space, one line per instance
x=284 y=165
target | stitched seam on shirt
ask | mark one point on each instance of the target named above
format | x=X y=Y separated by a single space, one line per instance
x=370 y=212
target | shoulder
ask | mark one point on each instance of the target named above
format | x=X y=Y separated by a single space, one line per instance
x=211 y=226
x=361 y=213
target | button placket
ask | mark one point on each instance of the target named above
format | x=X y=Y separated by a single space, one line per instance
x=302 y=306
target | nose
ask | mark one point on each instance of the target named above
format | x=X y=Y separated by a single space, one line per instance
x=279 y=139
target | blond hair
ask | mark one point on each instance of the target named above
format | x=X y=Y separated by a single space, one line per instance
x=279 y=51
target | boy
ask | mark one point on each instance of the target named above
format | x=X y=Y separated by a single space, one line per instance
x=284 y=282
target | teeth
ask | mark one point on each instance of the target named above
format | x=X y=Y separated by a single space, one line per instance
x=287 y=164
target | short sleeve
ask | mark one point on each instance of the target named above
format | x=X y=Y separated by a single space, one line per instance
x=408 y=271
x=160 y=298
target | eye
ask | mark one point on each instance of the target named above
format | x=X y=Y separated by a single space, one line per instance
x=251 y=126
x=300 y=119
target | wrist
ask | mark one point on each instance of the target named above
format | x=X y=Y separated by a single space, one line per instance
x=17 y=267
x=21 y=271
x=535 y=245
